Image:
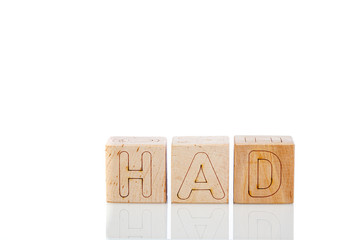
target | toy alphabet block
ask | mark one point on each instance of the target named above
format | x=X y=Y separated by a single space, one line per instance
x=136 y=169
x=200 y=170
x=263 y=169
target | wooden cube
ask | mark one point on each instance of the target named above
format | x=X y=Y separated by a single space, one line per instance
x=136 y=169
x=263 y=169
x=200 y=170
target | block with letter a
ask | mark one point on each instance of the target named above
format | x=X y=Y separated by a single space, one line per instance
x=263 y=169
x=136 y=169
x=200 y=169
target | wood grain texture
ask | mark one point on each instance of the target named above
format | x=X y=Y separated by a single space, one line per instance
x=263 y=169
x=136 y=169
x=200 y=170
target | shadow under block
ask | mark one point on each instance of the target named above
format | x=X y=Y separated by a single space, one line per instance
x=263 y=169
x=200 y=170
x=136 y=169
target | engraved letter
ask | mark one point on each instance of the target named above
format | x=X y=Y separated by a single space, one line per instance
x=264 y=173
x=127 y=173
x=201 y=175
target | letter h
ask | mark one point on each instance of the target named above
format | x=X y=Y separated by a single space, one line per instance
x=126 y=174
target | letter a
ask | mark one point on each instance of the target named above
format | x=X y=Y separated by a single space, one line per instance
x=201 y=175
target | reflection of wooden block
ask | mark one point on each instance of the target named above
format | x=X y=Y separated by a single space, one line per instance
x=200 y=170
x=263 y=221
x=263 y=169
x=200 y=221
x=136 y=169
x=136 y=221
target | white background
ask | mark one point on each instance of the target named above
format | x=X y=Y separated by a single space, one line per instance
x=74 y=73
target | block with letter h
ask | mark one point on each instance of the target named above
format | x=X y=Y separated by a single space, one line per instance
x=263 y=169
x=136 y=169
x=200 y=170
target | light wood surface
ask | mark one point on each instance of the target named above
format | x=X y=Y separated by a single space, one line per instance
x=263 y=169
x=200 y=170
x=136 y=169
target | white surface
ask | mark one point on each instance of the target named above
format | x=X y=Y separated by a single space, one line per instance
x=73 y=73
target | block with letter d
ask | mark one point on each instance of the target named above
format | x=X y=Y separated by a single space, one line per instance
x=200 y=170
x=136 y=169
x=263 y=169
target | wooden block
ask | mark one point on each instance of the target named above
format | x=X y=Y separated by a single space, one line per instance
x=136 y=169
x=200 y=170
x=263 y=169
